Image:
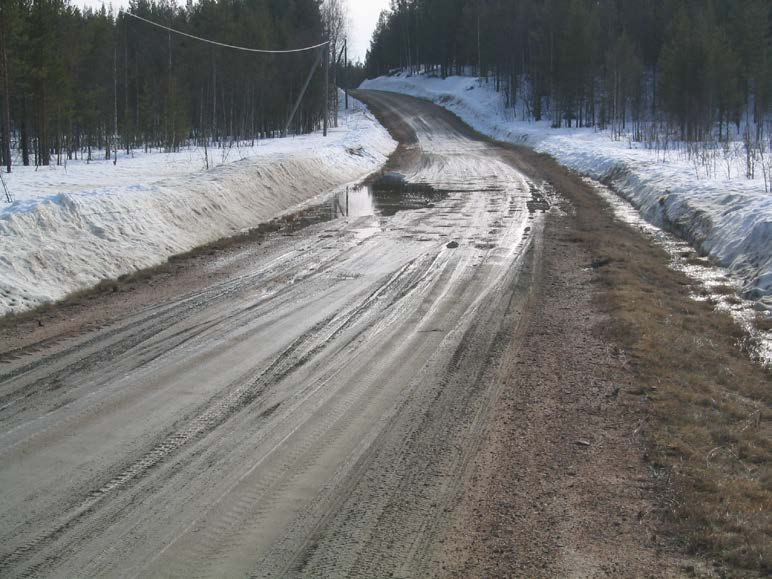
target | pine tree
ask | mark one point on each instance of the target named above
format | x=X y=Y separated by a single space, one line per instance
x=6 y=87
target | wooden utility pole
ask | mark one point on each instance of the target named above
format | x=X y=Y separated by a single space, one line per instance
x=304 y=89
x=345 y=69
x=6 y=91
x=326 y=49
x=335 y=66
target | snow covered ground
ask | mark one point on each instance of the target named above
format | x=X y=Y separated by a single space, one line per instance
x=72 y=226
x=730 y=220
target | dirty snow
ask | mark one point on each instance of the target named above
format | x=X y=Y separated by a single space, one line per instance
x=72 y=226
x=727 y=219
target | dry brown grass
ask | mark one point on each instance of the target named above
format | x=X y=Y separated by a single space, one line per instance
x=709 y=404
x=723 y=290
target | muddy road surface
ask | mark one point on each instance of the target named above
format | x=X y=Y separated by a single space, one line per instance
x=310 y=414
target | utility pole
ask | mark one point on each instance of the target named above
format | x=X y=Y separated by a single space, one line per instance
x=326 y=49
x=170 y=96
x=303 y=90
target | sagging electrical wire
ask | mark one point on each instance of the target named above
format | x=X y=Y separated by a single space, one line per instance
x=214 y=42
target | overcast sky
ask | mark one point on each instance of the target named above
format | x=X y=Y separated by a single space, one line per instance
x=363 y=16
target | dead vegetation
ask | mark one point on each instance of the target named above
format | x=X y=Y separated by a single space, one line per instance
x=708 y=404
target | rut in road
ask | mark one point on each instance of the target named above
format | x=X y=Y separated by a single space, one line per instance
x=312 y=415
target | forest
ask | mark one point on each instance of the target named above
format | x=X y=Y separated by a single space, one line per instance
x=688 y=70
x=77 y=83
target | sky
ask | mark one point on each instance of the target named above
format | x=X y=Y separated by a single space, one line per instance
x=363 y=16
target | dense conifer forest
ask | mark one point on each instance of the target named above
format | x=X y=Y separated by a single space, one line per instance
x=77 y=82
x=691 y=70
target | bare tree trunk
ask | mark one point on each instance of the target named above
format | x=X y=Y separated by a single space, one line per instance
x=43 y=128
x=326 y=87
x=345 y=63
x=59 y=136
x=115 y=105
x=126 y=91
x=24 y=134
x=6 y=93
x=214 y=100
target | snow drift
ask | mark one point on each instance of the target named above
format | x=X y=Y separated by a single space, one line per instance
x=54 y=244
x=729 y=220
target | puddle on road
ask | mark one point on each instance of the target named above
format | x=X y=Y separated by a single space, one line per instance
x=385 y=196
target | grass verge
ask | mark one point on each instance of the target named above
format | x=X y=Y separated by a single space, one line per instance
x=708 y=404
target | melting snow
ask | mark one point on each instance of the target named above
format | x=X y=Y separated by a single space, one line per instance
x=71 y=227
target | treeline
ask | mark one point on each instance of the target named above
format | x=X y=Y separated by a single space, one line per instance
x=80 y=81
x=700 y=67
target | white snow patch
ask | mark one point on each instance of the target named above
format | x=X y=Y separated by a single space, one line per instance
x=730 y=220
x=70 y=228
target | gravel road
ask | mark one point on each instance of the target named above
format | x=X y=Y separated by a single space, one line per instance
x=312 y=413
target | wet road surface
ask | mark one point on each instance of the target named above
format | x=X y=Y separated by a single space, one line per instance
x=312 y=415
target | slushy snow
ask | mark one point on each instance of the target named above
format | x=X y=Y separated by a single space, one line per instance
x=729 y=220
x=72 y=227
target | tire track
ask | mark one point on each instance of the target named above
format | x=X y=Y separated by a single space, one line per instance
x=216 y=412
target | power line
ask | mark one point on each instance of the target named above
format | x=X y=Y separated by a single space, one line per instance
x=243 y=48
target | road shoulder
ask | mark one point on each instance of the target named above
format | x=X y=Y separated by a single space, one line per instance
x=595 y=460
x=559 y=487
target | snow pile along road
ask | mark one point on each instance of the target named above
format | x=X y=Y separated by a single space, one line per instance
x=68 y=230
x=729 y=220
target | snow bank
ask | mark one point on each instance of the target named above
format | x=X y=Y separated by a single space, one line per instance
x=730 y=220
x=71 y=228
